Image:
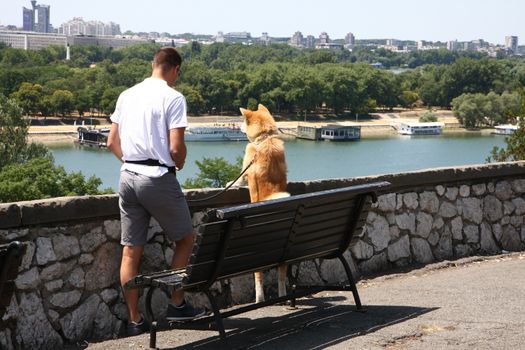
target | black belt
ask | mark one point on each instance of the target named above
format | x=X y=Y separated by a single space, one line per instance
x=152 y=162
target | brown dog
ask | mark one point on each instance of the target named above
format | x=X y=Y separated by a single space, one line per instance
x=266 y=176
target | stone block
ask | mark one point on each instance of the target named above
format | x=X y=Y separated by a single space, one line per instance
x=362 y=250
x=399 y=249
x=76 y=278
x=492 y=208
x=479 y=189
x=112 y=229
x=421 y=250
x=518 y=186
x=510 y=239
x=452 y=193
x=65 y=300
x=462 y=250
x=375 y=264
x=471 y=209
x=105 y=268
x=103 y=323
x=168 y=255
x=447 y=210
x=508 y=208
x=28 y=256
x=85 y=259
x=153 y=258
x=387 y=202
x=497 y=231
x=44 y=251
x=28 y=280
x=56 y=270
x=55 y=285
x=456 y=228
x=490 y=187
x=424 y=223
x=410 y=200
x=429 y=202
x=378 y=232
x=440 y=190
x=92 y=240
x=406 y=222
x=503 y=190
x=443 y=250
x=471 y=233
x=65 y=246
x=488 y=245
x=438 y=223
x=109 y=295
x=433 y=238
x=519 y=203
x=516 y=220
x=464 y=191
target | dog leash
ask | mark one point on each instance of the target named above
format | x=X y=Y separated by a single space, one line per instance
x=226 y=188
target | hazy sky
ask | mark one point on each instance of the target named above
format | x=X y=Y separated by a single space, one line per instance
x=432 y=20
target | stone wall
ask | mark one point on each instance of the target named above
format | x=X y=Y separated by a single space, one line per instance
x=68 y=290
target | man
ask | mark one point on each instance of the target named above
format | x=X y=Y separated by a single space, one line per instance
x=147 y=134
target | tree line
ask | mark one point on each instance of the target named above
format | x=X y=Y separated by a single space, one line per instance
x=222 y=77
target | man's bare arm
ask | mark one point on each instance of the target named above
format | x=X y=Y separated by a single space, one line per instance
x=114 y=141
x=178 y=147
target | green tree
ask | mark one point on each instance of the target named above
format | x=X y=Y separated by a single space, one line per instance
x=41 y=178
x=28 y=97
x=13 y=131
x=214 y=172
x=428 y=117
x=62 y=101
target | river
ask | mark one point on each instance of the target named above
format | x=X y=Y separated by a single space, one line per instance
x=308 y=160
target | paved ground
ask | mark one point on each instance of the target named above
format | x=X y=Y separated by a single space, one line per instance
x=474 y=303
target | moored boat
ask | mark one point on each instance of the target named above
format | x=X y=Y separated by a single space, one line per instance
x=505 y=129
x=215 y=133
x=92 y=137
x=432 y=128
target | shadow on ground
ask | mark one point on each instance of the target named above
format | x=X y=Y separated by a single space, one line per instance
x=315 y=324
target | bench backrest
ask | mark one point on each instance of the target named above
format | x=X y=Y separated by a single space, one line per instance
x=10 y=258
x=262 y=235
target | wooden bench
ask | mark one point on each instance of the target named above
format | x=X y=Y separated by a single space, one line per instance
x=253 y=237
x=10 y=259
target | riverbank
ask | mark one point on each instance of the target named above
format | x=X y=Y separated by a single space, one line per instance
x=377 y=125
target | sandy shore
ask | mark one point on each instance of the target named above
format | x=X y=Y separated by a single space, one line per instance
x=382 y=124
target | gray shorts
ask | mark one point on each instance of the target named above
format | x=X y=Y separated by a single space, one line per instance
x=141 y=197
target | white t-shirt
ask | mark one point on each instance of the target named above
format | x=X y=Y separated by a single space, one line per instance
x=145 y=113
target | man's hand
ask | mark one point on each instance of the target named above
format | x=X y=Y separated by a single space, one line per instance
x=113 y=142
x=178 y=147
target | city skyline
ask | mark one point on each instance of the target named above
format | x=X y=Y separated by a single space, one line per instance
x=382 y=19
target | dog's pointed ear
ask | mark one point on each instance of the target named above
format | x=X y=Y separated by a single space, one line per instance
x=246 y=113
x=262 y=108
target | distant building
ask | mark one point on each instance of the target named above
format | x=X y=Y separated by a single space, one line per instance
x=511 y=44
x=77 y=26
x=309 y=42
x=42 y=15
x=297 y=40
x=35 y=41
x=265 y=39
x=28 y=21
x=233 y=37
x=350 y=40
x=323 y=39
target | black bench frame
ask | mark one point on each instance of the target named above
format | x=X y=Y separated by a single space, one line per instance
x=10 y=259
x=325 y=221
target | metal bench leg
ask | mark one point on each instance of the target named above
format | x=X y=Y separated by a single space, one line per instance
x=151 y=320
x=217 y=315
x=353 y=287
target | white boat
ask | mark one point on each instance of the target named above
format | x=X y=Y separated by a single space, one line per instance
x=431 y=128
x=215 y=133
x=505 y=129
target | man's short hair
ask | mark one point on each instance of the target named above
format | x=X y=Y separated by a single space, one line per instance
x=167 y=58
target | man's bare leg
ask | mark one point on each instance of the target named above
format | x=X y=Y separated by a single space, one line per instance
x=129 y=268
x=180 y=259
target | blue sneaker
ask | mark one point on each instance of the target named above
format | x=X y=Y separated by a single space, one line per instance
x=136 y=328
x=185 y=312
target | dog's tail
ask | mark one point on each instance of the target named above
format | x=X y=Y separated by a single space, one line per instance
x=277 y=195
